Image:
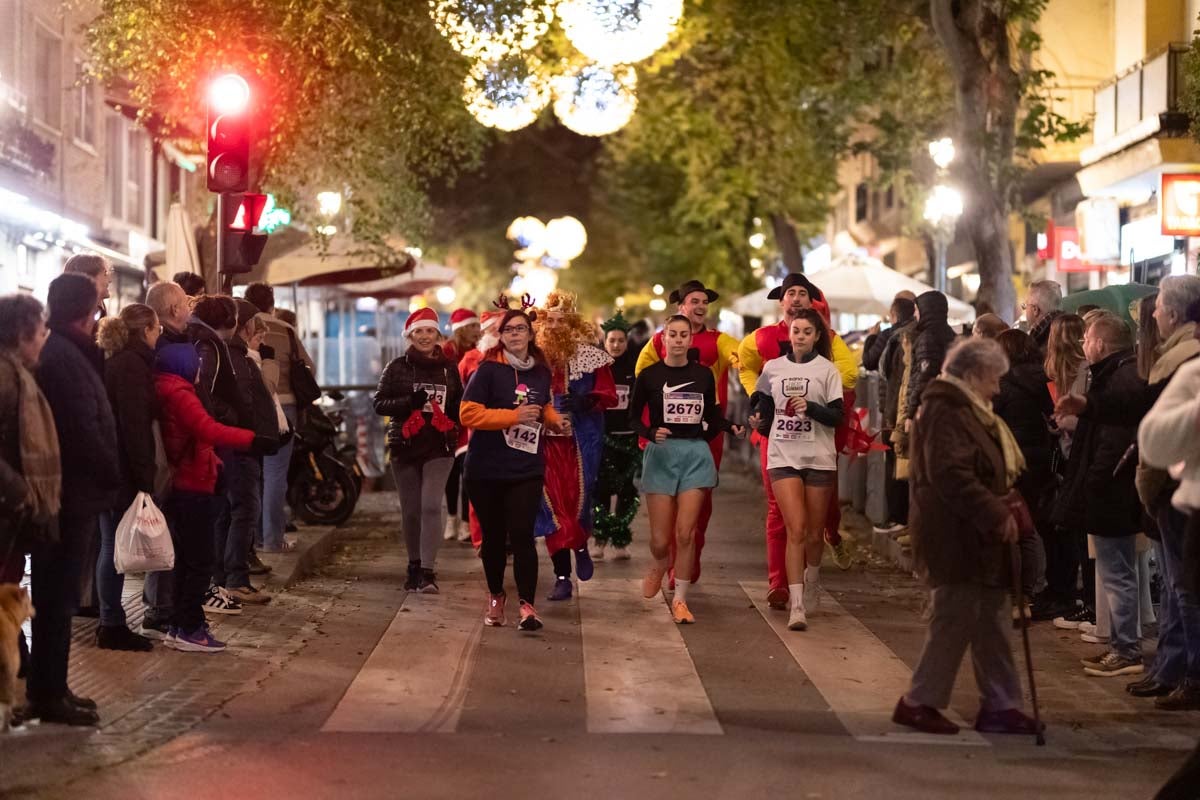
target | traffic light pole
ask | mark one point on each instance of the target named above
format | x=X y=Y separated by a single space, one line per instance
x=226 y=279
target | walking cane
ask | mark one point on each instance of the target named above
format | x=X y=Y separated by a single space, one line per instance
x=1015 y=553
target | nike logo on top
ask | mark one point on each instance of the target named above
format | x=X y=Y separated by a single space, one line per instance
x=671 y=389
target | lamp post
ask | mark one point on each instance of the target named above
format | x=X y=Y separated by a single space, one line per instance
x=943 y=207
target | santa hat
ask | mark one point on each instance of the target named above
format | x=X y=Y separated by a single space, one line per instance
x=461 y=318
x=422 y=318
x=490 y=319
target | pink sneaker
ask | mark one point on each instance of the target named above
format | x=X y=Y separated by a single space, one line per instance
x=495 y=610
x=530 y=621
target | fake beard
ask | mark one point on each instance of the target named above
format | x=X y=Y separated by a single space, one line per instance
x=486 y=342
x=558 y=344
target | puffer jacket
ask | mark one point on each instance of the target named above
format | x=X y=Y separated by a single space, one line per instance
x=1098 y=496
x=932 y=339
x=189 y=435
x=434 y=376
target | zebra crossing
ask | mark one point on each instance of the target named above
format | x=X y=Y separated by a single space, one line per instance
x=639 y=673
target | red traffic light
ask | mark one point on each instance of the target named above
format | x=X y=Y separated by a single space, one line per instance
x=229 y=94
x=249 y=212
x=229 y=133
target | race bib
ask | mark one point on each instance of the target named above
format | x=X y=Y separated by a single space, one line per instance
x=436 y=392
x=795 y=387
x=793 y=429
x=622 y=398
x=524 y=437
x=683 y=408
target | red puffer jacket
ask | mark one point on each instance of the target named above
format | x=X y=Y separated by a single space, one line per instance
x=189 y=434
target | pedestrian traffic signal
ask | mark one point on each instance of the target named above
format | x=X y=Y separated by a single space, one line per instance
x=229 y=134
x=241 y=246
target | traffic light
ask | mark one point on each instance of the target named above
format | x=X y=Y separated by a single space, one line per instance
x=241 y=246
x=229 y=134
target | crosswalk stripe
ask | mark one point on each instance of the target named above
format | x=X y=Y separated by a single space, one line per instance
x=857 y=674
x=639 y=675
x=416 y=678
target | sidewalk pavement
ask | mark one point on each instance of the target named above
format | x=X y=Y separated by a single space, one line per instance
x=146 y=699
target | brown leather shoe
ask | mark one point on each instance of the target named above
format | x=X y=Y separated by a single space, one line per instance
x=923 y=718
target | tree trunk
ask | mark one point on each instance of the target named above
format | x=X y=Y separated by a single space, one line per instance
x=788 y=242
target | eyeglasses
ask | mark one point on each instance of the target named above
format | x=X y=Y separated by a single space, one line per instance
x=515 y=329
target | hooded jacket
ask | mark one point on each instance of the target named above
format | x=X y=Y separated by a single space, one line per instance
x=189 y=433
x=258 y=406
x=129 y=379
x=932 y=338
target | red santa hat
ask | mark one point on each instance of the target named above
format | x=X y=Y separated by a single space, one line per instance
x=490 y=319
x=421 y=318
x=461 y=318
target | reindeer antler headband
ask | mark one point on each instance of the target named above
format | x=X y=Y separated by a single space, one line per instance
x=527 y=303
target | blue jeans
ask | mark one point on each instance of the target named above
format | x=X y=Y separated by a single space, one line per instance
x=110 y=584
x=1179 y=613
x=1116 y=571
x=274 y=494
x=235 y=527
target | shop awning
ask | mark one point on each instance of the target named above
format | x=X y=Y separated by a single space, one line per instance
x=421 y=278
x=343 y=261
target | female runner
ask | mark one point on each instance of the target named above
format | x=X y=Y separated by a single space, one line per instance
x=797 y=404
x=506 y=405
x=677 y=466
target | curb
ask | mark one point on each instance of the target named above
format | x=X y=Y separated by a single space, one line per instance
x=313 y=547
x=890 y=549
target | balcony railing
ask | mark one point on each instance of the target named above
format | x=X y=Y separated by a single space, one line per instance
x=1138 y=103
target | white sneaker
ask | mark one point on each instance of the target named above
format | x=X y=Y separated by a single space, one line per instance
x=452 y=528
x=812 y=597
x=889 y=528
x=797 y=620
x=464 y=533
x=621 y=554
x=596 y=551
x=1093 y=638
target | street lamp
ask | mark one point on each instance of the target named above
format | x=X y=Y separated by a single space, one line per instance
x=943 y=207
x=942 y=152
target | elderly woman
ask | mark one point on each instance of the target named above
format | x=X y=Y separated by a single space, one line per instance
x=964 y=461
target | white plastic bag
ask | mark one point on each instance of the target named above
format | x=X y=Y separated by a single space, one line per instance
x=143 y=540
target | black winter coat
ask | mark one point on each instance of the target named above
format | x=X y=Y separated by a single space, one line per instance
x=87 y=432
x=932 y=340
x=217 y=382
x=1025 y=405
x=129 y=382
x=617 y=419
x=1097 y=497
x=891 y=367
x=396 y=398
x=257 y=404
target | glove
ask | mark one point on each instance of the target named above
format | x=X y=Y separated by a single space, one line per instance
x=267 y=352
x=568 y=403
x=264 y=446
x=419 y=398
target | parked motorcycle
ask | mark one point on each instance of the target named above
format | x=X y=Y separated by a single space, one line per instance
x=321 y=488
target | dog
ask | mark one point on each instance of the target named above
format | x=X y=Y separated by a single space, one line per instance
x=15 y=608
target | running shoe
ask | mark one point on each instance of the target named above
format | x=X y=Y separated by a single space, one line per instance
x=597 y=550
x=218 y=601
x=249 y=595
x=427 y=582
x=155 y=629
x=889 y=528
x=561 y=591
x=1070 y=622
x=621 y=554
x=652 y=583
x=413 y=581
x=1091 y=637
x=841 y=554
x=452 y=530
x=1112 y=664
x=495 y=611
x=680 y=613
x=777 y=599
x=584 y=568
x=200 y=640
x=812 y=596
x=797 y=619
x=530 y=621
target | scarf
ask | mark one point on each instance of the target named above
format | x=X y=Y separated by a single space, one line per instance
x=522 y=364
x=416 y=421
x=1178 y=348
x=1014 y=460
x=41 y=464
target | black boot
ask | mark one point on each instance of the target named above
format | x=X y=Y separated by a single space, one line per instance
x=64 y=712
x=413 y=582
x=119 y=637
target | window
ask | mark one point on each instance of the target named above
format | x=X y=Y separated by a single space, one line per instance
x=862 y=198
x=85 y=105
x=9 y=41
x=127 y=170
x=47 y=100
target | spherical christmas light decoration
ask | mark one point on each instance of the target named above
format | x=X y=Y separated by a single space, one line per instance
x=490 y=30
x=529 y=234
x=619 y=31
x=508 y=94
x=596 y=100
x=565 y=238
